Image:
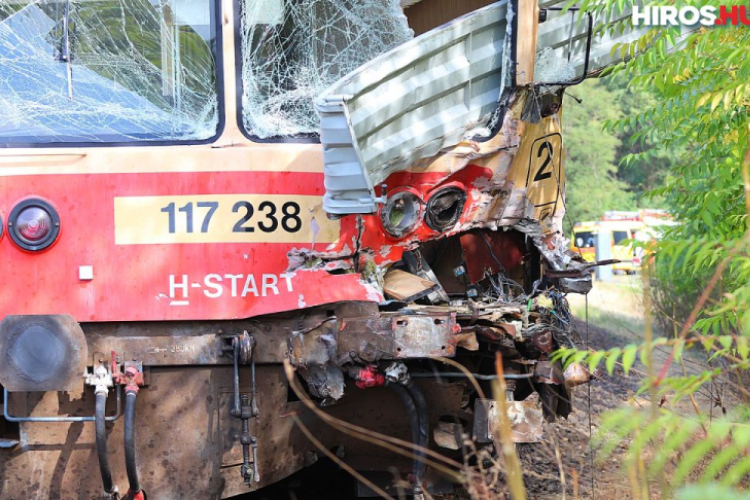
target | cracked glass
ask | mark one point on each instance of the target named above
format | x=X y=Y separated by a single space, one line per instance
x=292 y=50
x=107 y=71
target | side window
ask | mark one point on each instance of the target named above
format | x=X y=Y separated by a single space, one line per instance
x=585 y=239
x=107 y=71
x=292 y=50
x=619 y=236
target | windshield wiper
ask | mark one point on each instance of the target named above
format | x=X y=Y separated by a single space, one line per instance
x=65 y=55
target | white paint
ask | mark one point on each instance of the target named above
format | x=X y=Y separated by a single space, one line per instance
x=85 y=273
x=250 y=286
x=174 y=286
x=212 y=282
x=216 y=286
x=269 y=283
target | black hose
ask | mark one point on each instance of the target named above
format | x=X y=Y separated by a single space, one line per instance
x=130 y=459
x=424 y=433
x=236 y=355
x=101 y=442
x=411 y=412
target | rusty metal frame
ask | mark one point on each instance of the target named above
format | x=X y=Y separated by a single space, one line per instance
x=11 y=418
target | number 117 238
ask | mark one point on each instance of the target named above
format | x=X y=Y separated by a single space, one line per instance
x=222 y=219
x=270 y=218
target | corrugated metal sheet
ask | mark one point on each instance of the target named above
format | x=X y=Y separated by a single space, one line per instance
x=565 y=33
x=431 y=92
x=410 y=103
x=557 y=35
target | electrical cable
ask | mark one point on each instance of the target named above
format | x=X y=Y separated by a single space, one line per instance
x=591 y=446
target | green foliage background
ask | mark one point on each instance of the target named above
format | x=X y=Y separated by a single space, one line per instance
x=695 y=134
x=591 y=162
x=597 y=177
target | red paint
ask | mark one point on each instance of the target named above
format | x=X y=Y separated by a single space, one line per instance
x=487 y=251
x=131 y=378
x=132 y=282
x=388 y=249
x=368 y=377
x=141 y=495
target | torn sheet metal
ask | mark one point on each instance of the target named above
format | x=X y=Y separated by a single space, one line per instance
x=556 y=253
x=525 y=418
x=412 y=334
x=448 y=435
x=512 y=182
x=576 y=374
x=409 y=104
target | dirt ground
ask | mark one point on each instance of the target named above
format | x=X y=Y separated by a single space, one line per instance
x=616 y=318
x=571 y=437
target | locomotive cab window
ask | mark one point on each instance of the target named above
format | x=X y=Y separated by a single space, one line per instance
x=107 y=71
x=292 y=50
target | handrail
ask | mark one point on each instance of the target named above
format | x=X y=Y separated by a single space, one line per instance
x=11 y=418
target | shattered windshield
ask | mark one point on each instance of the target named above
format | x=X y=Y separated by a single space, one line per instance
x=292 y=50
x=107 y=70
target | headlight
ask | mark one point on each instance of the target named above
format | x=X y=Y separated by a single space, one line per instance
x=33 y=224
x=444 y=208
x=401 y=214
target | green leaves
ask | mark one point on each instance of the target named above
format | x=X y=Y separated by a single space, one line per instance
x=612 y=359
x=595 y=359
x=628 y=357
x=708 y=491
x=678 y=442
x=695 y=131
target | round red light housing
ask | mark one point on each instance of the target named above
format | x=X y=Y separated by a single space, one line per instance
x=34 y=224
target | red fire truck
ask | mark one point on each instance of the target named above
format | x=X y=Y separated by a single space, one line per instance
x=195 y=194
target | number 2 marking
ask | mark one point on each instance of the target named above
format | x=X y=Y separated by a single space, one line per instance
x=543 y=173
x=239 y=227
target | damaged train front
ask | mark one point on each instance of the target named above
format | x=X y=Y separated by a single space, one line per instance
x=449 y=154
